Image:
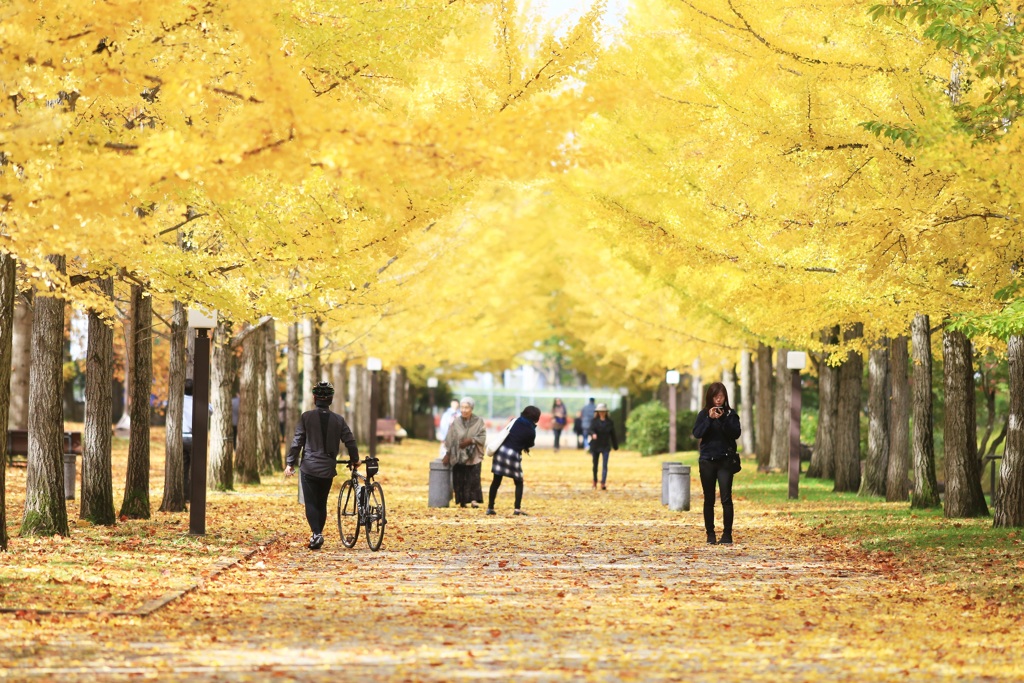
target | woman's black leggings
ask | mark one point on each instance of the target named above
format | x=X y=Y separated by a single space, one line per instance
x=710 y=472
x=495 y=483
x=315 y=491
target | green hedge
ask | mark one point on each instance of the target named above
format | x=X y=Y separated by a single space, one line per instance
x=647 y=427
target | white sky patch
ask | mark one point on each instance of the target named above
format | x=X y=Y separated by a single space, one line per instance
x=564 y=12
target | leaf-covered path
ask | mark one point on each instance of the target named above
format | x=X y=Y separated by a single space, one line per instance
x=593 y=585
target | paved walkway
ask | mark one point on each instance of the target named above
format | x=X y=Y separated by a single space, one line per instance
x=601 y=586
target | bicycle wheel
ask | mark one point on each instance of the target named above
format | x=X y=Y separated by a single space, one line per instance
x=376 y=517
x=348 y=514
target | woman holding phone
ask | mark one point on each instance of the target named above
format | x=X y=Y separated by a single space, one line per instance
x=717 y=428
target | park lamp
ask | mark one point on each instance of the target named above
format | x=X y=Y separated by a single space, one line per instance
x=200 y=319
x=672 y=377
x=796 y=360
x=374 y=364
x=432 y=382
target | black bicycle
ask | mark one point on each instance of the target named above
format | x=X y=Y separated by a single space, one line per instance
x=361 y=506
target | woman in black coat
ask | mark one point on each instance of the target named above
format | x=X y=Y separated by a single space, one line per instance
x=508 y=459
x=602 y=442
x=718 y=427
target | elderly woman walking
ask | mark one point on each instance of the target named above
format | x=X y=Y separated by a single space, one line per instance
x=464 y=451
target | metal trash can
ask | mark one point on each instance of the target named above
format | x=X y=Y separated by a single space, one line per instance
x=69 y=476
x=664 y=480
x=679 y=488
x=440 y=485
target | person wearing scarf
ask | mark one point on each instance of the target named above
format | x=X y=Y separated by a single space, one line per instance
x=464 y=452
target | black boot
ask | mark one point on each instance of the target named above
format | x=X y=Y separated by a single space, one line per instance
x=711 y=538
x=726 y=538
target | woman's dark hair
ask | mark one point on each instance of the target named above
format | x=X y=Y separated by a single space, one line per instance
x=531 y=413
x=555 y=404
x=714 y=389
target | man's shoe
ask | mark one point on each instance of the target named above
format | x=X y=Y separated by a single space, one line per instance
x=316 y=541
x=726 y=538
x=491 y=511
x=711 y=539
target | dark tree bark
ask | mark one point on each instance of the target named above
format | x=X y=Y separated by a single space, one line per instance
x=262 y=407
x=8 y=279
x=823 y=459
x=964 y=497
x=746 y=402
x=1010 y=504
x=174 y=462
x=926 y=488
x=45 y=511
x=779 y=458
x=97 y=479
x=136 y=489
x=310 y=360
x=847 y=456
x=896 y=489
x=876 y=467
x=293 y=391
x=247 y=463
x=21 y=361
x=764 y=404
x=220 y=470
x=271 y=449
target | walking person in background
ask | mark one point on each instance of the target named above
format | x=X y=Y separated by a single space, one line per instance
x=319 y=435
x=586 y=417
x=602 y=442
x=577 y=428
x=717 y=427
x=446 y=422
x=464 y=451
x=559 y=417
x=508 y=459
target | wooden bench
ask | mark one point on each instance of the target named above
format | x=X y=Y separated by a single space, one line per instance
x=17 y=445
x=386 y=430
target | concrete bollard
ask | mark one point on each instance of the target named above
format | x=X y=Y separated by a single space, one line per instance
x=440 y=485
x=679 y=488
x=69 y=476
x=664 y=480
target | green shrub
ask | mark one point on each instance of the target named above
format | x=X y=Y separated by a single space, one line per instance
x=647 y=428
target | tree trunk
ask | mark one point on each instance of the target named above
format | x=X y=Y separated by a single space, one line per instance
x=310 y=360
x=293 y=391
x=97 y=479
x=45 y=511
x=779 y=460
x=729 y=381
x=847 y=455
x=926 y=488
x=174 y=461
x=352 y=404
x=823 y=459
x=746 y=403
x=340 y=373
x=259 y=385
x=696 y=387
x=8 y=280
x=21 y=361
x=136 y=488
x=219 y=471
x=272 y=427
x=1010 y=504
x=764 y=404
x=964 y=497
x=876 y=468
x=899 y=422
x=247 y=462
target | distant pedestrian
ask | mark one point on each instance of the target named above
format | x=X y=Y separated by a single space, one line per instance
x=446 y=421
x=559 y=418
x=602 y=442
x=464 y=452
x=508 y=459
x=587 y=416
x=717 y=427
x=577 y=428
x=319 y=435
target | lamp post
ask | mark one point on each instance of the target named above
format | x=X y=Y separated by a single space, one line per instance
x=795 y=362
x=374 y=365
x=202 y=322
x=432 y=386
x=624 y=393
x=672 y=379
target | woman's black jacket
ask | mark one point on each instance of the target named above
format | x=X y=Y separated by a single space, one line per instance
x=603 y=435
x=717 y=437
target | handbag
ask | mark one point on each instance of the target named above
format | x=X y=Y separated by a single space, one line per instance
x=495 y=441
x=732 y=461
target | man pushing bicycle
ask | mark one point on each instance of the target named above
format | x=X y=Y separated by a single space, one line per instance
x=319 y=434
